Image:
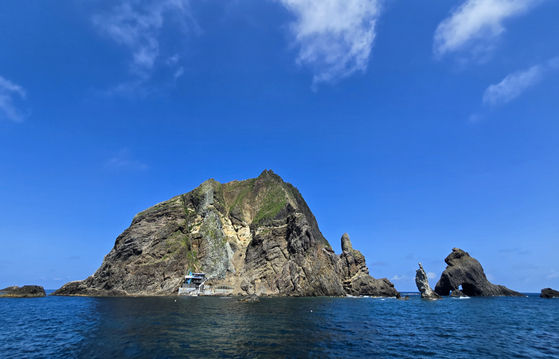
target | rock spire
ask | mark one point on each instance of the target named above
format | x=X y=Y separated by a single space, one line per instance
x=423 y=284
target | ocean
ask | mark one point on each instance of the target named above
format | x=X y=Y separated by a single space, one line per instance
x=176 y=327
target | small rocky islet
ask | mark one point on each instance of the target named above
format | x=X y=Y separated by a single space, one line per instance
x=549 y=293
x=254 y=237
x=27 y=291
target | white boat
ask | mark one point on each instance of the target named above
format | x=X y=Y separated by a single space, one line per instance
x=193 y=284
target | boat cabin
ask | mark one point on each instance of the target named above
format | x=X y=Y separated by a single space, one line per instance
x=193 y=284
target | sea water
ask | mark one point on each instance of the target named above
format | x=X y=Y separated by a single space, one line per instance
x=175 y=327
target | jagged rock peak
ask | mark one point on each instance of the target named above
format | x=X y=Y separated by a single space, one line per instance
x=355 y=274
x=422 y=283
x=465 y=275
x=254 y=236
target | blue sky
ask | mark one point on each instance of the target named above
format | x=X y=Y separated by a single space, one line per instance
x=413 y=126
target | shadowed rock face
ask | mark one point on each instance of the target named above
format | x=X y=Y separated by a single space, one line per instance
x=423 y=284
x=257 y=236
x=27 y=291
x=463 y=270
x=549 y=293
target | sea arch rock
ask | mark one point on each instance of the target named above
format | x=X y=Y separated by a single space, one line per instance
x=463 y=270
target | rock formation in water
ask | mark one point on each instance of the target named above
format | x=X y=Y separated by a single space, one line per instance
x=355 y=274
x=466 y=272
x=256 y=236
x=27 y=291
x=549 y=293
x=457 y=293
x=422 y=284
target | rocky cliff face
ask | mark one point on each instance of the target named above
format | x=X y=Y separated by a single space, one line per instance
x=463 y=270
x=355 y=274
x=255 y=236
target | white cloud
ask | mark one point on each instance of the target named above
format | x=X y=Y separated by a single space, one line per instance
x=514 y=84
x=179 y=73
x=400 y=277
x=123 y=160
x=173 y=60
x=554 y=274
x=335 y=36
x=8 y=92
x=476 y=24
x=476 y=117
x=431 y=275
x=137 y=26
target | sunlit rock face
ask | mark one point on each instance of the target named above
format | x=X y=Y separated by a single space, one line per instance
x=422 y=283
x=255 y=236
x=465 y=271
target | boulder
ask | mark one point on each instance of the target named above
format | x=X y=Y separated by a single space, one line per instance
x=466 y=272
x=549 y=293
x=27 y=291
x=422 y=284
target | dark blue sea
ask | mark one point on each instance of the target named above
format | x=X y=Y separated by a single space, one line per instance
x=174 y=327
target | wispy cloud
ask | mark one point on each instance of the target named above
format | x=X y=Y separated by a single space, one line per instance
x=9 y=92
x=124 y=160
x=400 y=277
x=476 y=24
x=335 y=36
x=516 y=83
x=431 y=275
x=137 y=26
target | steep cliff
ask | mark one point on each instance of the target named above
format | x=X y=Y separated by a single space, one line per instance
x=463 y=270
x=255 y=236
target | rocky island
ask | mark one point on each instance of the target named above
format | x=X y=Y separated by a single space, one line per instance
x=549 y=293
x=256 y=236
x=27 y=291
x=465 y=272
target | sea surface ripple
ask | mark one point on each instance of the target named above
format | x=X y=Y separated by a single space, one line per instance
x=174 y=327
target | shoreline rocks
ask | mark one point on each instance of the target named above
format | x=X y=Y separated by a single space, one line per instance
x=422 y=283
x=465 y=275
x=253 y=298
x=27 y=291
x=549 y=293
